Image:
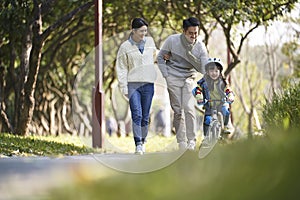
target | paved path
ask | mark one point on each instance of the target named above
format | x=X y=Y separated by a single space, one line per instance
x=30 y=177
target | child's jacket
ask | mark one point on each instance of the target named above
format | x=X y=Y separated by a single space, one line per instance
x=209 y=89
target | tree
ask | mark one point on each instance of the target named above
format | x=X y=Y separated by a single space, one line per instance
x=250 y=14
x=35 y=33
x=249 y=85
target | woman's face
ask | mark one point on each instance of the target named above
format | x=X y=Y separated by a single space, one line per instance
x=214 y=73
x=139 y=33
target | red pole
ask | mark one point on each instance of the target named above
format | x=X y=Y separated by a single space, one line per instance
x=98 y=95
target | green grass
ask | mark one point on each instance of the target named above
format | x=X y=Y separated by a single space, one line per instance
x=261 y=169
x=12 y=145
x=155 y=143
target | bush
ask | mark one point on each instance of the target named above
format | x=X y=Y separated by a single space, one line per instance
x=283 y=112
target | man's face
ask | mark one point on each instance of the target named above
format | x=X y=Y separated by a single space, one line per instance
x=191 y=34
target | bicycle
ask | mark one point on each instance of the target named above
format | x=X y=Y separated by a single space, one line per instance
x=214 y=130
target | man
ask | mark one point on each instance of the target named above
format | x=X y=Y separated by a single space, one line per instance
x=179 y=59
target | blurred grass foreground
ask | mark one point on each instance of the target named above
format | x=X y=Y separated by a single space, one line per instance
x=262 y=168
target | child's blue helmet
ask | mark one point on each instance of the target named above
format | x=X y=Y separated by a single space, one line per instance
x=214 y=62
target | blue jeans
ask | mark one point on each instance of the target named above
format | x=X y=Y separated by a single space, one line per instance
x=223 y=108
x=140 y=99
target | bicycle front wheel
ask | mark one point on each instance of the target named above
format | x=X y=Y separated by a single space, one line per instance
x=215 y=132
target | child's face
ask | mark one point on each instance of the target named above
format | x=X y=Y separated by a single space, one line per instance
x=214 y=73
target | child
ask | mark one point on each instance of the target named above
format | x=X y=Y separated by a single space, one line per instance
x=214 y=87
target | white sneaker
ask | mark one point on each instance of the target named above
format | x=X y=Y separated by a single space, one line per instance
x=139 y=149
x=182 y=145
x=191 y=145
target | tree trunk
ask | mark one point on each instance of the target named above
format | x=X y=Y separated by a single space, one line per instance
x=250 y=128
x=27 y=100
x=52 y=114
x=3 y=117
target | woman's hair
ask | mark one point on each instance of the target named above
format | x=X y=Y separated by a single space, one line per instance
x=192 y=21
x=138 y=23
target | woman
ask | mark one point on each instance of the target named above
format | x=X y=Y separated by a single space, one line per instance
x=136 y=75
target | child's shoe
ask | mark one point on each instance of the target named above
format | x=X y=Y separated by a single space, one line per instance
x=228 y=129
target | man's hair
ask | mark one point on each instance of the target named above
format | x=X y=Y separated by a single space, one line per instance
x=192 y=21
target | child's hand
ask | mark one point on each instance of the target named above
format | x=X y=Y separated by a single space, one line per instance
x=200 y=101
x=230 y=98
x=229 y=95
x=199 y=98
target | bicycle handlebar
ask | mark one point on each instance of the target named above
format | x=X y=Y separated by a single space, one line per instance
x=205 y=101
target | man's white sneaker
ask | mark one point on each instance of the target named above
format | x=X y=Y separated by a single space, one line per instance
x=191 y=145
x=182 y=145
x=139 y=149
